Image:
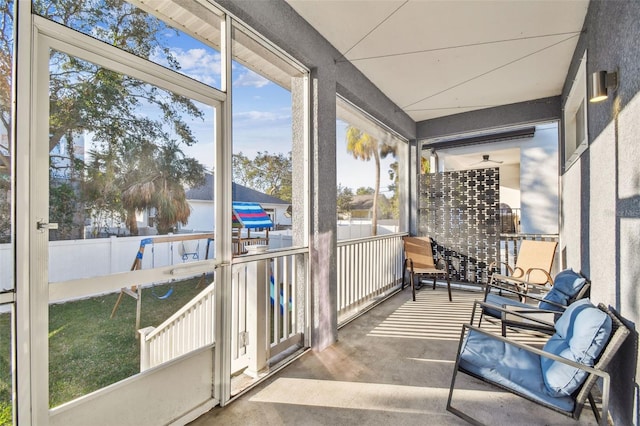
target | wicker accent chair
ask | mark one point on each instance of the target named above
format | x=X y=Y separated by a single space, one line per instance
x=561 y=375
x=568 y=286
x=418 y=258
x=533 y=266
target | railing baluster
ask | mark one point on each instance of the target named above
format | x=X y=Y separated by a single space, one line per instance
x=367 y=268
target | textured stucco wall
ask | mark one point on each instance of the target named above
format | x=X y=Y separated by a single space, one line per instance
x=602 y=190
x=539 y=182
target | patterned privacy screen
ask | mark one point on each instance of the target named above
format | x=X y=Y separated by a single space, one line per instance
x=460 y=211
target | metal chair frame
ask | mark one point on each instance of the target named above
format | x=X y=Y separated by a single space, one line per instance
x=418 y=258
x=618 y=335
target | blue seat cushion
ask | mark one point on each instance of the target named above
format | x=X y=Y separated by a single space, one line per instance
x=566 y=285
x=510 y=367
x=500 y=301
x=581 y=333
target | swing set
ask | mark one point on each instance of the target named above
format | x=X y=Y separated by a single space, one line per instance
x=186 y=253
x=245 y=215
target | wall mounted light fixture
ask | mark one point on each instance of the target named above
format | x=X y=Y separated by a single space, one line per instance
x=601 y=81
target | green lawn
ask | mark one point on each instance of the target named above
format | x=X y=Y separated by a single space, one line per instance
x=87 y=349
x=5 y=370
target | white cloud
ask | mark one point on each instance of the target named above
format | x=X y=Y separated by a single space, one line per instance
x=197 y=63
x=256 y=118
x=250 y=79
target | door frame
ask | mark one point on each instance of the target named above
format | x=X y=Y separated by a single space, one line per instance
x=32 y=406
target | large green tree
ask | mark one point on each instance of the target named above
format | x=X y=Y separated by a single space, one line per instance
x=344 y=198
x=162 y=185
x=393 y=209
x=363 y=146
x=143 y=177
x=6 y=60
x=365 y=190
x=267 y=173
x=86 y=98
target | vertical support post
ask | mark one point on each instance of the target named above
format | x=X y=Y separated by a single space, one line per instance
x=323 y=227
x=145 y=348
x=257 y=320
x=138 y=307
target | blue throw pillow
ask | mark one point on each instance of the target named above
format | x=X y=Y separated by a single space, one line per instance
x=566 y=286
x=569 y=283
x=581 y=333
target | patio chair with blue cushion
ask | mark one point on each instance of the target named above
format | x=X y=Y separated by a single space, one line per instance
x=568 y=286
x=561 y=375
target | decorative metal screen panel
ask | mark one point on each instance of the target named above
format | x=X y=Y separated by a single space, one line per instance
x=460 y=211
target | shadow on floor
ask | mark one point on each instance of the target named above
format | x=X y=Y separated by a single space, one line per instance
x=392 y=366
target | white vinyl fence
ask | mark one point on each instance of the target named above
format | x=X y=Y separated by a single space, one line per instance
x=75 y=259
x=350 y=229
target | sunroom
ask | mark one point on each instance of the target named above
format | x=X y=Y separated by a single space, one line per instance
x=112 y=313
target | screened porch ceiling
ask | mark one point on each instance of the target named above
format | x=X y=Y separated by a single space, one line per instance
x=437 y=58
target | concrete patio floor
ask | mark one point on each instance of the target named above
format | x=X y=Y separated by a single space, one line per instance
x=391 y=366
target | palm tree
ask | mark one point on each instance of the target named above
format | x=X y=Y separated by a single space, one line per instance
x=157 y=178
x=363 y=147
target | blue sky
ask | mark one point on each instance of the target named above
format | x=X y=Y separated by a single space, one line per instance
x=262 y=115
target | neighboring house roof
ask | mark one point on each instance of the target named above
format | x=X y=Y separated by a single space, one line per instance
x=204 y=192
x=240 y=193
x=365 y=202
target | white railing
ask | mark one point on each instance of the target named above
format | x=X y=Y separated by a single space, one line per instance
x=267 y=315
x=267 y=307
x=368 y=268
x=268 y=292
x=188 y=329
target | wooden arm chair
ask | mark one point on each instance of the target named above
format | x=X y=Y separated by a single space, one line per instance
x=533 y=266
x=559 y=376
x=418 y=258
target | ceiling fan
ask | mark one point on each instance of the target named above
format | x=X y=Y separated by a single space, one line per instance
x=485 y=159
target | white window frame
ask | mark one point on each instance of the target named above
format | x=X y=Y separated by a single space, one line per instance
x=574 y=119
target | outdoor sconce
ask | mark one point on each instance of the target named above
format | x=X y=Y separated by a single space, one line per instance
x=601 y=81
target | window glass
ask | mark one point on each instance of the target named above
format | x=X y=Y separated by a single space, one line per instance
x=6 y=212
x=267 y=111
x=269 y=106
x=575 y=117
x=367 y=175
x=130 y=188
x=190 y=47
x=6 y=147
